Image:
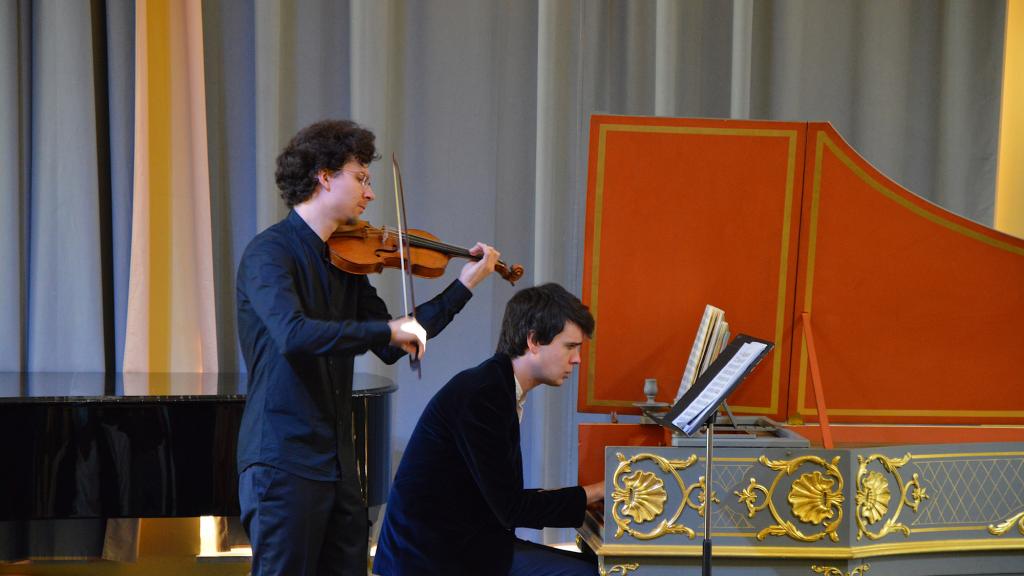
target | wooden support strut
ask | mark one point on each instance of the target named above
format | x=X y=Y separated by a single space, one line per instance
x=819 y=394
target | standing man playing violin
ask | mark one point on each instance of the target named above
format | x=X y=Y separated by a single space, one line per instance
x=301 y=322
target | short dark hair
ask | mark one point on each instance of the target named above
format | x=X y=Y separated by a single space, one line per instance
x=543 y=311
x=325 y=145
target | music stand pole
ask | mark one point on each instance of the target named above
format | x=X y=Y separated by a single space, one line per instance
x=706 y=556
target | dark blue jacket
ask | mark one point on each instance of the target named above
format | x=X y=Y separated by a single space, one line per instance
x=459 y=494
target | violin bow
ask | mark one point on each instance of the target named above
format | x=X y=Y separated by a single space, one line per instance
x=408 y=301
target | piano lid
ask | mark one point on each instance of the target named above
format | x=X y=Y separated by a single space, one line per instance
x=22 y=387
x=917 y=312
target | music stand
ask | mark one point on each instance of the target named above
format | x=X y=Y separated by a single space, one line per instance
x=699 y=407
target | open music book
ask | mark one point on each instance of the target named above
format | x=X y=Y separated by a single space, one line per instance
x=712 y=334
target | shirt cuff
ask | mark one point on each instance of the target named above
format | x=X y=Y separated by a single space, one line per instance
x=379 y=333
x=457 y=293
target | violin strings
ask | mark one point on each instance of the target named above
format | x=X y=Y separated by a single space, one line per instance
x=420 y=241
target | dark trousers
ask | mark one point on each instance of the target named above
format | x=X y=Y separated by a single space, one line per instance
x=303 y=527
x=529 y=558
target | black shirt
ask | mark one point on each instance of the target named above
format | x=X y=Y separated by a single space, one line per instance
x=301 y=322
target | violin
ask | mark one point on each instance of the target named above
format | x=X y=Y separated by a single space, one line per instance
x=361 y=248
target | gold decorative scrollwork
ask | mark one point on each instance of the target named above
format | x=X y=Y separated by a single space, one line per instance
x=620 y=568
x=830 y=571
x=641 y=495
x=645 y=495
x=873 y=499
x=815 y=498
x=1004 y=527
x=812 y=498
x=873 y=496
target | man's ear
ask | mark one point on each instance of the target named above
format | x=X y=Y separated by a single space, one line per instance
x=323 y=178
x=531 y=342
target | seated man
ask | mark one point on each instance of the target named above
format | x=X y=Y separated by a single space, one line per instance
x=458 y=495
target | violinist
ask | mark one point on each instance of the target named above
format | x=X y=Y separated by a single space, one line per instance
x=301 y=322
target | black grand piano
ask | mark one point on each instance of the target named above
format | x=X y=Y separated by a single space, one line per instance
x=69 y=455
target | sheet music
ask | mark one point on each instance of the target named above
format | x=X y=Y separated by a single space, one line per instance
x=698 y=351
x=696 y=412
x=715 y=345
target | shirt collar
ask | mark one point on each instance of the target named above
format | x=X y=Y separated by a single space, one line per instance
x=306 y=233
x=520 y=398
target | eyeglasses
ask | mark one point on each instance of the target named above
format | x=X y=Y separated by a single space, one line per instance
x=362 y=177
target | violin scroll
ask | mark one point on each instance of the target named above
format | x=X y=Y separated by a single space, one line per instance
x=511 y=273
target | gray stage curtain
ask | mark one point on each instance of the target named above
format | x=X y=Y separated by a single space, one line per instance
x=486 y=105
x=913 y=85
x=65 y=189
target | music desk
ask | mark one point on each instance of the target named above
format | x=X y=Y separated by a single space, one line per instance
x=912 y=509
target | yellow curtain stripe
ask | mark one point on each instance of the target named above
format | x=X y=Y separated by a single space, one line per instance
x=1009 y=211
x=171 y=324
x=158 y=31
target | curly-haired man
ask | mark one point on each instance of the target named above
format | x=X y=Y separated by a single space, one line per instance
x=301 y=322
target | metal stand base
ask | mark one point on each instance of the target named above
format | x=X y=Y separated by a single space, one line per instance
x=705 y=562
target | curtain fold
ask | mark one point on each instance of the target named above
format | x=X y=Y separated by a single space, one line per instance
x=120 y=74
x=15 y=107
x=65 y=300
